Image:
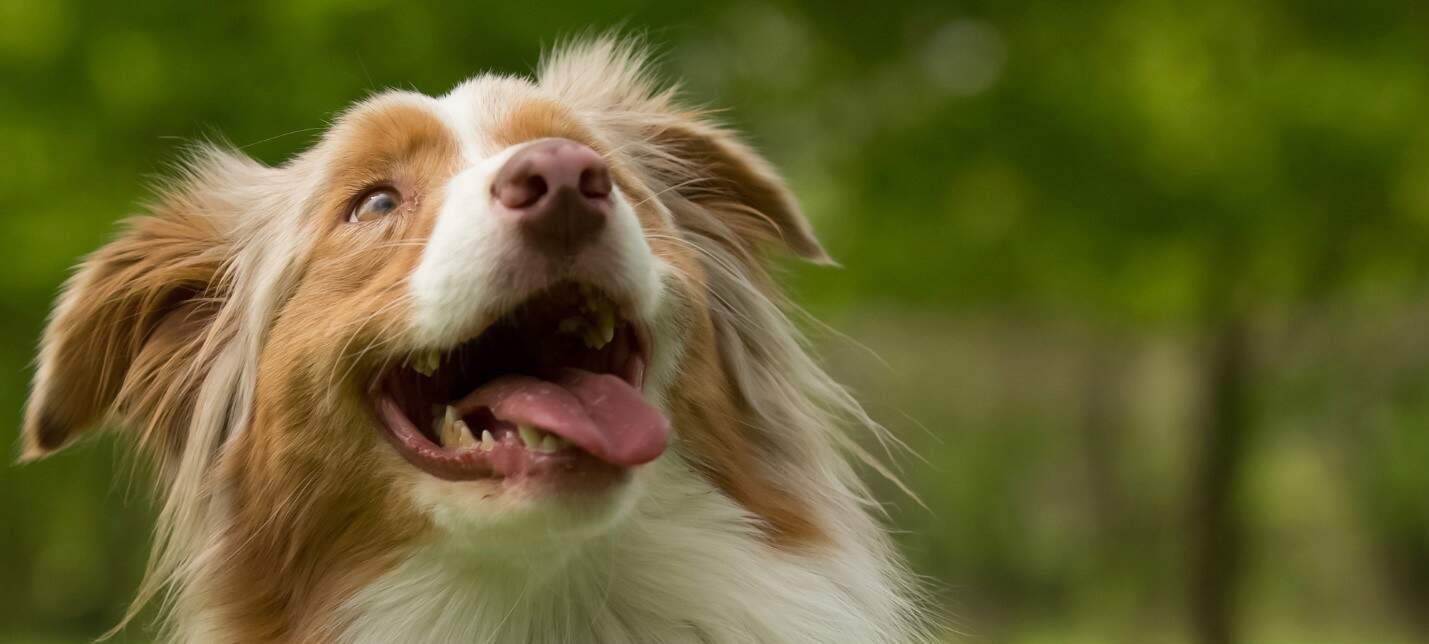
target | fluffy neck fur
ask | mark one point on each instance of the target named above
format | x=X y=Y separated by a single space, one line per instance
x=688 y=566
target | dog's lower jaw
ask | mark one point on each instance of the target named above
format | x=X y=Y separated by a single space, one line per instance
x=525 y=528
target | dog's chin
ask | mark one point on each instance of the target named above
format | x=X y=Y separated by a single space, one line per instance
x=494 y=519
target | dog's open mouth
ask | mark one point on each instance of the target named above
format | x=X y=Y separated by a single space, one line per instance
x=554 y=384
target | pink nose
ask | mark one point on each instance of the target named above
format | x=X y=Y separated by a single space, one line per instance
x=556 y=192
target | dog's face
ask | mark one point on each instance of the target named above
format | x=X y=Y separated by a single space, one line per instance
x=479 y=319
x=493 y=309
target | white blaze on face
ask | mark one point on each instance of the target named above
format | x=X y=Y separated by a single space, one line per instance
x=476 y=265
x=460 y=278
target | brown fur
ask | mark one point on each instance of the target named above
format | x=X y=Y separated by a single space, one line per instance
x=731 y=178
x=735 y=200
x=129 y=330
x=315 y=514
x=538 y=119
x=727 y=447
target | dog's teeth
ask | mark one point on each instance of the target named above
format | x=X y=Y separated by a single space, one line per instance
x=605 y=319
x=488 y=442
x=530 y=436
x=464 y=437
x=551 y=443
x=446 y=427
x=596 y=324
x=426 y=362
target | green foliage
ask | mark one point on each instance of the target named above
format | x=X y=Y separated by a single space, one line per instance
x=1040 y=207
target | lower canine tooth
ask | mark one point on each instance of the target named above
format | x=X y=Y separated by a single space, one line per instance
x=446 y=427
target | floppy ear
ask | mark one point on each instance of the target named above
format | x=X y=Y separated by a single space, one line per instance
x=722 y=173
x=607 y=78
x=123 y=341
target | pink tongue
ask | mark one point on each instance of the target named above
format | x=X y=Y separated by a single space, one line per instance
x=598 y=413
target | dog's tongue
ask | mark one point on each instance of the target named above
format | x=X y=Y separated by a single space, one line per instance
x=598 y=413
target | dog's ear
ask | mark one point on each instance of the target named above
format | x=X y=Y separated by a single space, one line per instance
x=721 y=173
x=124 y=340
x=607 y=78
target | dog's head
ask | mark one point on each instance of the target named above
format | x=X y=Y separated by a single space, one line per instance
x=480 y=316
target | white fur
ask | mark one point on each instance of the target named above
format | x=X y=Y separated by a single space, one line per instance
x=687 y=565
x=475 y=265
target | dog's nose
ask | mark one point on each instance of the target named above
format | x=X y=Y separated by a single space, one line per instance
x=556 y=192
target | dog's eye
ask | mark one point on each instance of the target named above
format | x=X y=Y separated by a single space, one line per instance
x=375 y=204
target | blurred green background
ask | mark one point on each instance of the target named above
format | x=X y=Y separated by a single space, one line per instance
x=1143 y=282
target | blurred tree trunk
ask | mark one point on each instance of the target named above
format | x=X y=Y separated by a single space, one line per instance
x=1407 y=563
x=1102 y=437
x=1215 y=523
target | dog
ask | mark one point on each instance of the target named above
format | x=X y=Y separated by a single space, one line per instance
x=504 y=365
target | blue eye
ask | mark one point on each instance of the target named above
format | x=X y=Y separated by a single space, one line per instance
x=375 y=204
